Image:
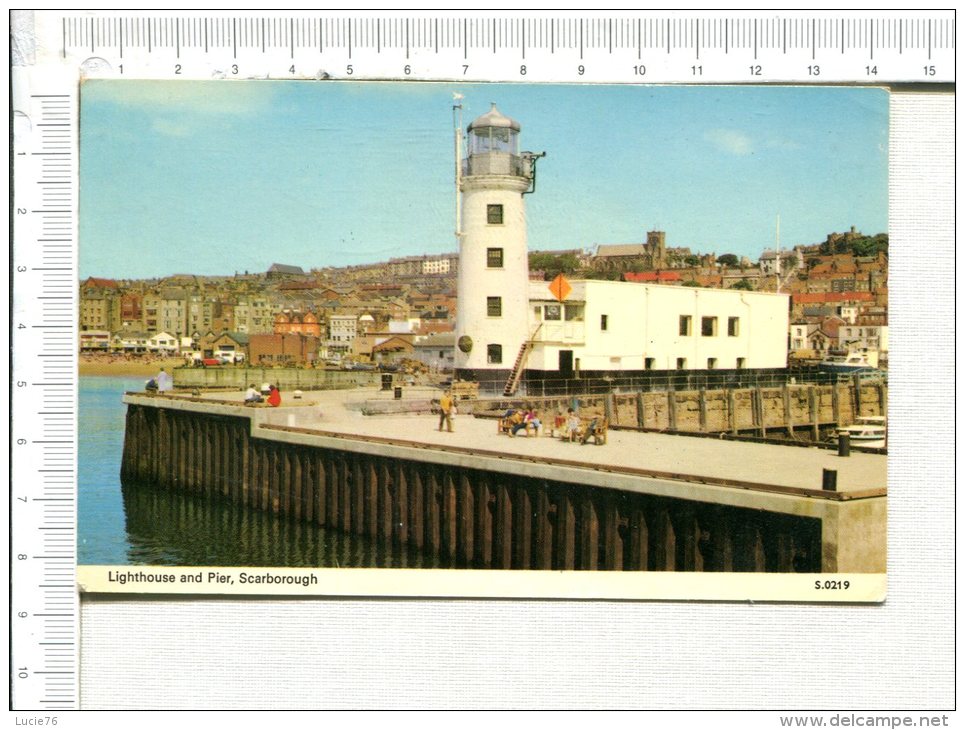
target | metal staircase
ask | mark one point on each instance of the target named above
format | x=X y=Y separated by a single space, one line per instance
x=516 y=374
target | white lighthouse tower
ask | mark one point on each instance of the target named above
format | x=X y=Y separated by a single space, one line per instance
x=492 y=322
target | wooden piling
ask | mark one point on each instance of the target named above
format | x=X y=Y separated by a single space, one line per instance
x=814 y=412
x=461 y=516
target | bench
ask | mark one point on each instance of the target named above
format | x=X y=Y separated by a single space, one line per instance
x=465 y=390
x=505 y=425
x=584 y=434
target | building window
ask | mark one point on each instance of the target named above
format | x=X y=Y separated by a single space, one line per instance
x=733 y=326
x=603 y=322
x=681 y=363
x=708 y=326
x=741 y=362
x=551 y=312
x=573 y=312
x=494 y=214
x=494 y=354
x=494 y=306
x=494 y=258
x=711 y=363
x=648 y=363
x=685 y=325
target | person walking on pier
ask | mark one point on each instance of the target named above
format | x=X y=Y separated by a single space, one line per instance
x=445 y=410
x=164 y=381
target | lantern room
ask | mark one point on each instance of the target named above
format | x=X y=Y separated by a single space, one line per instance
x=493 y=146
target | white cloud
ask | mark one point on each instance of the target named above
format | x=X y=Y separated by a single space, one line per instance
x=730 y=141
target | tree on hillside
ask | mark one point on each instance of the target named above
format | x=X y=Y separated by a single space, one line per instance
x=743 y=284
x=728 y=259
x=870 y=246
x=690 y=283
x=552 y=265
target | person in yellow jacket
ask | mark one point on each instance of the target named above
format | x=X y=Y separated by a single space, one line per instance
x=445 y=411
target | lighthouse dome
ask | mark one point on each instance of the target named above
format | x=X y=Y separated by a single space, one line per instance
x=493 y=118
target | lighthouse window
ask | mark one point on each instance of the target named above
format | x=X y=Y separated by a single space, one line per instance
x=604 y=322
x=733 y=326
x=494 y=214
x=494 y=306
x=494 y=257
x=551 y=312
x=494 y=354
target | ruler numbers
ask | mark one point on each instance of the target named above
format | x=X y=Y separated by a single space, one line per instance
x=534 y=49
x=43 y=501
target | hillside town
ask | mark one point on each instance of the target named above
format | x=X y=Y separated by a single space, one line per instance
x=403 y=310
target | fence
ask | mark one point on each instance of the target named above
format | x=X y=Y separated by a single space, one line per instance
x=549 y=384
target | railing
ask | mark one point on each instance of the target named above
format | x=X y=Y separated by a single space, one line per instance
x=664 y=380
x=495 y=163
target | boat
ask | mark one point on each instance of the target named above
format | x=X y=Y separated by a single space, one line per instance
x=852 y=362
x=869 y=432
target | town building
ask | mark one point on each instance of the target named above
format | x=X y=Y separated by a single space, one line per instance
x=627 y=256
x=297 y=323
x=283 y=349
x=436 y=351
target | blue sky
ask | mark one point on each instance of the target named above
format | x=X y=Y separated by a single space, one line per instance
x=224 y=176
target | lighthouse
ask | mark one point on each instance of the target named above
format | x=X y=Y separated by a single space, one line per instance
x=492 y=322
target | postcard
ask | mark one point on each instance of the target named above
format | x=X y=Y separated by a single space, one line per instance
x=506 y=340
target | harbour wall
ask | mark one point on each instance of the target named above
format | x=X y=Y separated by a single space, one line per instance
x=487 y=511
x=240 y=377
x=804 y=411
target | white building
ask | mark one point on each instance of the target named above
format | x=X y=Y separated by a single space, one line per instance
x=163 y=342
x=436 y=265
x=609 y=325
x=863 y=338
x=342 y=327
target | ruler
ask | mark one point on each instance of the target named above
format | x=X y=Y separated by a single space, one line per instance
x=736 y=47
x=43 y=598
x=58 y=49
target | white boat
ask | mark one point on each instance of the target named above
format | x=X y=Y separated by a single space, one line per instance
x=852 y=362
x=870 y=432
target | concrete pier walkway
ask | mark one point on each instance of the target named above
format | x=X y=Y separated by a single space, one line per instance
x=340 y=412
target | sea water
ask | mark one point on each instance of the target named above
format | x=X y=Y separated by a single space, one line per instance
x=146 y=524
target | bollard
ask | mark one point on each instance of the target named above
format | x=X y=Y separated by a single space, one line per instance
x=829 y=480
x=844 y=444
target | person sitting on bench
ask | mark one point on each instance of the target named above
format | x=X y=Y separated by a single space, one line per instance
x=589 y=431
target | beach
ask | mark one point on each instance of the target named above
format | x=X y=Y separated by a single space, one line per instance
x=115 y=365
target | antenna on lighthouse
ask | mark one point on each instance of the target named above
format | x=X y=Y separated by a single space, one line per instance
x=457 y=131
